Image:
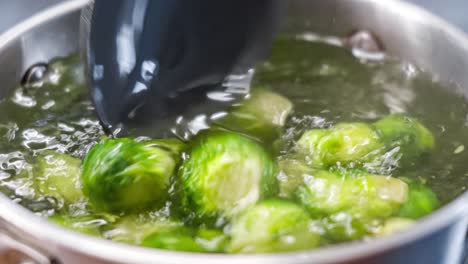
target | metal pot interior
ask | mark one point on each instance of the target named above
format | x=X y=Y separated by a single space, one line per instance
x=405 y=31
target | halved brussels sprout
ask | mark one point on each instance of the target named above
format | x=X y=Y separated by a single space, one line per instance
x=351 y=201
x=260 y=115
x=395 y=225
x=273 y=226
x=347 y=226
x=174 y=145
x=327 y=192
x=185 y=239
x=126 y=175
x=58 y=175
x=225 y=173
x=344 y=144
x=86 y=224
x=421 y=201
x=408 y=134
x=292 y=174
x=133 y=228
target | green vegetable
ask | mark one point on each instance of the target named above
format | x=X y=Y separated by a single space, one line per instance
x=395 y=225
x=58 y=175
x=347 y=226
x=273 y=226
x=421 y=201
x=351 y=201
x=185 y=239
x=345 y=144
x=408 y=134
x=260 y=115
x=126 y=175
x=226 y=173
x=133 y=228
x=327 y=192
x=175 y=146
x=86 y=224
x=292 y=174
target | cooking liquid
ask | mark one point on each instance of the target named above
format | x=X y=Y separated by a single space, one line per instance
x=326 y=84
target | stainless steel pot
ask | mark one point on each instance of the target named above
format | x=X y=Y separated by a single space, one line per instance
x=406 y=31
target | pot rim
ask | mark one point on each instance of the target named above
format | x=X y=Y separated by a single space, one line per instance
x=20 y=219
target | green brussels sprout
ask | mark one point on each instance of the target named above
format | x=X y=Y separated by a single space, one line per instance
x=126 y=175
x=86 y=224
x=328 y=192
x=174 y=145
x=421 y=201
x=175 y=240
x=58 y=175
x=344 y=144
x=394 y=225
x=185 y=239
x=348 y=225
x=225 y=173
x=412 y=138
x=61 y=87
x=351 y=203
x=260 y=115
x=133 y=228
x=291 y=175
x=273 y=226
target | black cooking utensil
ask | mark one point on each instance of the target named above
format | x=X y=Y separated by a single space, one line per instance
x=152 y=61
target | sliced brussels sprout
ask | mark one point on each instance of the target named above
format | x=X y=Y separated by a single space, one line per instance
x=394 y=225
x=260 y=115
x=212 y=240
x=133 y=228
x=292 y=174
x=126 y=175
x=86 y=224
x=185 y=239
x=328 y=192
x=408 y=134
x=344 y=144
x=348 y=225
x=308 y=145
x=273 y=226
x=173 y=145
x=225 y=173
x=421 y=201
x=178 y=240
x=58 y=175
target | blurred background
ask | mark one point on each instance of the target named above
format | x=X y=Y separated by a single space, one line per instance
x=452 y=10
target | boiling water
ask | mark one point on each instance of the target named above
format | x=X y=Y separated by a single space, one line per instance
x=326 y=83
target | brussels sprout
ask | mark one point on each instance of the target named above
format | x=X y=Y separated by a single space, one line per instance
x=185 y=239
x=225 y=173
x=133 y=228
x=58 y=175
x=86 y=224
x=273 y=226
x=348 y=225
x=309 y=143
x=407 y=133
x=421 y=201
x=212 y=240
x=328 y=192
x=344 y=144
x=61 y=87
x=260 y=115
x=175 y=240
x=291 y=175
x=175 y=146
x=395 y=225
x=126 y=175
